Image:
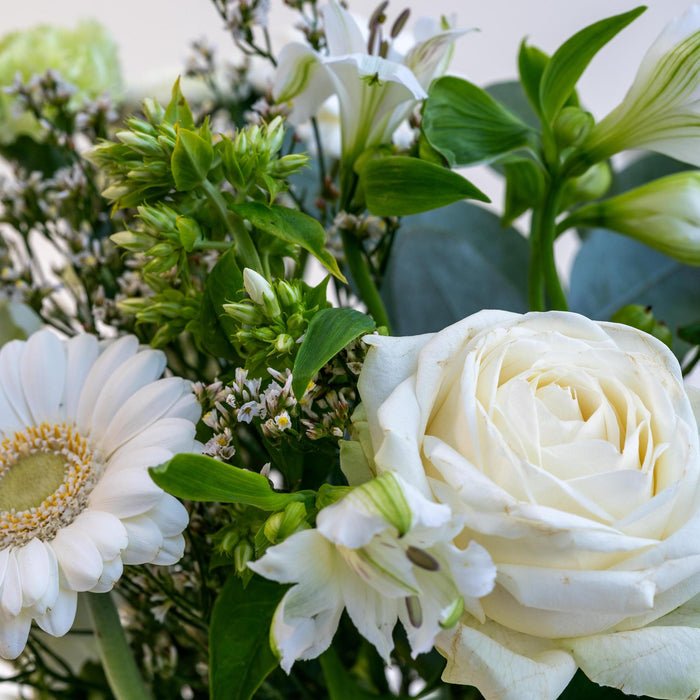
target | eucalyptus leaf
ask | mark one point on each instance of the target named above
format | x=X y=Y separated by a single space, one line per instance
x=191 y=159
x=17 y=321
x=512 y=96
x=201 y=478
x=398 y=185
x=239 y=637
x=450 y=263
x=328 y=333
x=612 y=271
x=292 y=226
x=570 y=60
x=467 y=126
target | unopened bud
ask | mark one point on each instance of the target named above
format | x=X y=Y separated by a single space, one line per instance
x=261 y=292
x=284 y=344
x=572 y=126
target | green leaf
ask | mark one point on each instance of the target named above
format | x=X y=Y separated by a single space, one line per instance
x=612 y=271
x=467 y=125
x=239 y=637
x=582 y=688
x=178 y=110
x=524 y=188
x=201 y=478
x=450 y=263
x=690 y=333
x=329 y=332
x=340 y=683
x=531 y=65
x=292 y=226
x=223 y=285
x=398 y=185
x=191 y=159
x=570 y=60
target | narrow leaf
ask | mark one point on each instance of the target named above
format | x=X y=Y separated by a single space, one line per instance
x=178 y=110
x=239 y=637
x=191 y=159
x=329 y=332
x=531 y=65
x=467 y=125
x=292 y=226
x=570 y=60
x=201 y=478
x=397 y=186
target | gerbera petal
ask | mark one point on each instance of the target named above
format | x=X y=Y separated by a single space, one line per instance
x=43 y=372
x=114 y=355
x=145 y=540
x=104 y=529
x=58 y=619
x=173 y=434
x=78 y=558
x=35 y=570
x=111 y=573
x=142 y=409
x=81 y=353
x=14 y=630
x=170 y=552
x=170 y=516
x=11 y=381
x=11 y=598
x=186 y=406
x=125 y=493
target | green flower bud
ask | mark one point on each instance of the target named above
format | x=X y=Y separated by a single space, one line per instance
x=242 y=555
x=663 y=214
x=284 y=344
x=287 y=294
x=261 y=292
x=243 y=313
x=135 y=241
x=572 y=126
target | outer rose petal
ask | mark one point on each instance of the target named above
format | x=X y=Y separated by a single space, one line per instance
x=504 y=665
x=660 y=661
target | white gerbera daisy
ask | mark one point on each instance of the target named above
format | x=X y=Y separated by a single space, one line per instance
x=80 y=423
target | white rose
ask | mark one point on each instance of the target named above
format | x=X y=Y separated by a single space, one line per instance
x=571 y=449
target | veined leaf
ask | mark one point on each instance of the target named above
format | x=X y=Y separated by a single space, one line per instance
x=329 y=332
x=191 y=159
x=292 y=226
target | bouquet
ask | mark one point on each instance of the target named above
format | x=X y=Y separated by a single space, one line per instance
x=286 y=413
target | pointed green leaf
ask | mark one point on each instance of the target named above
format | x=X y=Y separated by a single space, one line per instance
x=239 y=637
x=201 y=478
x=467 y=125
x=178 y=110
x=192 y=157
x=341 y=684
x=397 y=185
x=292 y=226
x=531 y=65
x=570 y=60
x=329 y=332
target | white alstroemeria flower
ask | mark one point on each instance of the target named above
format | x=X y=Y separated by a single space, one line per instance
x=661 y=111
x=384 y=552
x=375 y=93
x=80 y=423
x=663 y=214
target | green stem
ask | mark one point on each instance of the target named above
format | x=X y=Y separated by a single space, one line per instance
x=535 y=278
x=547 y=225
x=354 y=254
x=245 y=247
x=119 y=666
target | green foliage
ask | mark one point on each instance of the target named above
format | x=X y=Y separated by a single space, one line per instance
x=201 y=478
x=566 y=66
x=524 y=189
x=397 y=186
x=467 y=126
x=329 y=332
x=192 y=157
x=239 y=637
x=461 y=260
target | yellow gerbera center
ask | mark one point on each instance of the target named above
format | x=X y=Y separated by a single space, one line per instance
x=46 y=475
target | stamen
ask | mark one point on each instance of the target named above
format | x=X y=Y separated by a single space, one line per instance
x=415 y=612
x=421 y=558
x=400 y=23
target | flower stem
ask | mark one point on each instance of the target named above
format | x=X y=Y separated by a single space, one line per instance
x=245 y=247
x=119 y=666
